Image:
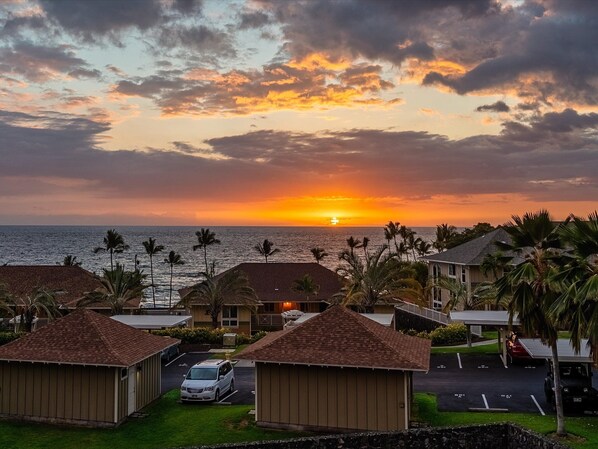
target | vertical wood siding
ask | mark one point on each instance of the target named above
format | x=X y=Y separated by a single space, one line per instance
x=148 y=381
x=333 y=398
x=57 y=392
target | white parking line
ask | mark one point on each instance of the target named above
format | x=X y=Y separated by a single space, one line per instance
x=459 y=359
x=227 y=396
x=485 y=401
x=538 y=405
x=174 y=360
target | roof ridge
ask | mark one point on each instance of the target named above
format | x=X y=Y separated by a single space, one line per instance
x=98 y=329
x=366 y=325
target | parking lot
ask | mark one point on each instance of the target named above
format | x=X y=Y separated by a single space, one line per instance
x=462 y=382
x=174 y=371
x=466 y=382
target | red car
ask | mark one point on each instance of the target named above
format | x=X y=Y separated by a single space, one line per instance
x=515 y=350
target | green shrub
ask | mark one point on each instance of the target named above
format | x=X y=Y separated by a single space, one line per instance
x=257 y=336
x=451 y=334
x=7 y=337
x=199 y=335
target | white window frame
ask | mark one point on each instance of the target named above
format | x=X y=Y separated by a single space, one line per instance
x=463 y=275
x=227 y=319
x=452 y=267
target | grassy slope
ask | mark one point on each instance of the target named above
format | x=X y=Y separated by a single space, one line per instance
x=168 y=424
x=583 y=430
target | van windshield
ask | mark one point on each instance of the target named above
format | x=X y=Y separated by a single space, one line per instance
x=203 y=373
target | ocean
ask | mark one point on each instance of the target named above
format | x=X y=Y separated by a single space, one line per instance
x=48 y=245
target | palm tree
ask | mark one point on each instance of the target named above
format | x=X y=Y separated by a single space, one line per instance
x=444 y=233
x=205 y=238
x=391 y=231
x=27 y=307
x=578 y=281
x=118 y=287
x=364 y=245
x=71 y=261
x=113 y=243
x=535 y=238
x=306 y=285
x=152 y=249
x=318 y=253
x=353 y=243
x=458 y=294
x=214 y=291
x=172 y=260
x=266 y=249
x=422 y=247
x=493 y=263
x=376 y=280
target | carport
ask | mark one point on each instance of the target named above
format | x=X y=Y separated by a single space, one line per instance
x=151 y=322
x=497 y=318
x=538 y=350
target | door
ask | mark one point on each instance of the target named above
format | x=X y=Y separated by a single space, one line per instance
x=132 y=396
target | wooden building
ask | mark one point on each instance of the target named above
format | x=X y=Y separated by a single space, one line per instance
x=84 y=369
x=273 y=284
x=338 y=371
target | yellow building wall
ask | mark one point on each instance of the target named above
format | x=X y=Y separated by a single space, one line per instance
x=201 y=319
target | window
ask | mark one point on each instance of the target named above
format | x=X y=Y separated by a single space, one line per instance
x=269 y=307
x=230 y=316
x=463 y=278
x=452 y=270
x=124 y=373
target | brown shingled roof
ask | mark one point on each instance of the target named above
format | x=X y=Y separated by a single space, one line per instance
x=341 y=337
x=84 y=337
x=69 y=282
x=272 y=282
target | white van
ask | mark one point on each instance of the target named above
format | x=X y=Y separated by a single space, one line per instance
x=207 y=381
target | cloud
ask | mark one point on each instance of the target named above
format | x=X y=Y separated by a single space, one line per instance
x=554 y=157
x=253 y=19
x=42 y=63
x=300 y=84
x=499 y=106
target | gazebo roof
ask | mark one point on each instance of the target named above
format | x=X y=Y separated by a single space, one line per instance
x=341 y=337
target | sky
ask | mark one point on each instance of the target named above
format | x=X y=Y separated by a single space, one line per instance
x=275 y=112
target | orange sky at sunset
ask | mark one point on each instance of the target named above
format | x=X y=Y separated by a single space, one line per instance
x=264 y=112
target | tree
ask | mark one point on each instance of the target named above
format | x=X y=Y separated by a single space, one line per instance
x=71 y=261
x=422 y=247
x=444 y=234
x=214 y=291
x=152 y=249
x=114 y=243
x=391 y=231
x=266 y=249
x=318 y=253
x=364 y=245
x=493 y=263
x=205 y=238
x=27 y=307
x=375 y=280
x=353 y=243
x=172 y=260
x=306 y=285
x=577 y=281
x=478 y=230
x=528 y=286
x=459 y=295
x=117 y=288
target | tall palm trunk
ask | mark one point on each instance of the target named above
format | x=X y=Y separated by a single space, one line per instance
x=111 y=260
x=170 y=297
x=558 y=397
x=205 y=256
x=214 y=320
x=152 y=276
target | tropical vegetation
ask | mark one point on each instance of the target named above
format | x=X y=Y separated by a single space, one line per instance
x=152 y=249
x=26 y=308
x=306 y=286
x=266 y=249
x=173 y=259
x=205 y=238
x=114 y=243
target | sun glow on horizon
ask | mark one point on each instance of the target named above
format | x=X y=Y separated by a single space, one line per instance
x=334 y=221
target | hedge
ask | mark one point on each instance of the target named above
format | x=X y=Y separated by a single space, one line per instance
x=454 y=333
x=7 y=337
x=205 y=335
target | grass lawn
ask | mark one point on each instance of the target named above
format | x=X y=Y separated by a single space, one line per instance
x=224 y=355
x=583 y=430
x=490 y=348
x=168 y=424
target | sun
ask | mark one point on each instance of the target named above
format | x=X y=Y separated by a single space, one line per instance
x=334 y=221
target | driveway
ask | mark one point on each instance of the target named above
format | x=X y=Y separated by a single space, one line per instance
x=173 y=372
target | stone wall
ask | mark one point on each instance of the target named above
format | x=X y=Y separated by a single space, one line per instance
x=490 y=436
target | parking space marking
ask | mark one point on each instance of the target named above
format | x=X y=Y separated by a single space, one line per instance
x=459 y=359
x=485 y=401
x=221 y=401
x=174 y=360
x=537 y=405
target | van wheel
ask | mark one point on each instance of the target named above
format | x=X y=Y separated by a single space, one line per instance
x=232 y=386
x=217 y=396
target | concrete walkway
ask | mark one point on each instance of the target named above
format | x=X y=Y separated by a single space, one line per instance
x=464 y=345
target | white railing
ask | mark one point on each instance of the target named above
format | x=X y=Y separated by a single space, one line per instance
x=430 y=314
